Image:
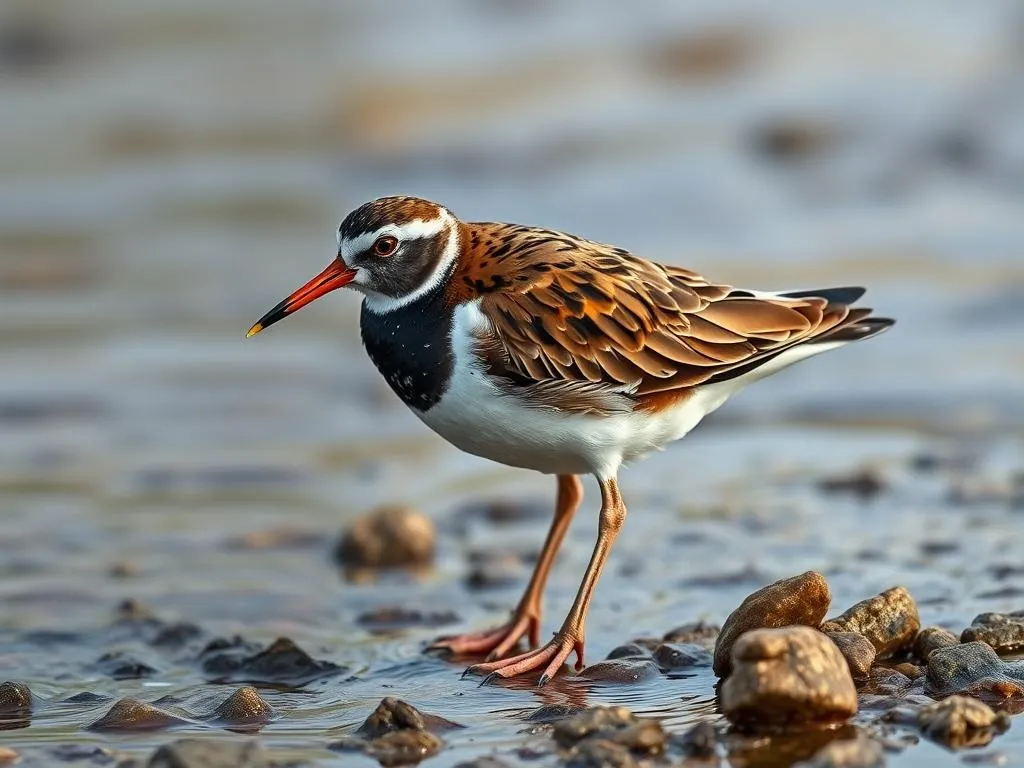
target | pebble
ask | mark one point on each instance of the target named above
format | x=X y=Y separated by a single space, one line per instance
x=135 y=715
x=616 y=725
x=787 y=676
x=244 y=707
x=282 y=662
x=393 y=536
x=550 y=713
x=930 y=639
x=700 y=742
x=863 y=484
x=121 y=666
x=696 y=632
x=623 y=670
x=15 y=698
x=209 y=753
x=976 y=669
x=404 y=747
x=889 y=620
x=396 y=715
x=392 y=618
x=960 y=721
x=802 y=599
x=671 y=656
x=861 y=752
x=634 y=650
x=1003 y=631
x=600 y=753
x=858 y=651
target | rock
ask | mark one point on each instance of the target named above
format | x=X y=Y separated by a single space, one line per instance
x=391 y=618
x=632 y=650
x=388 y=537
x=785 y=676
x=209 y=753
x=974 y=669
x=860 y=752
x=600 y=753
x=696 y=632
x=404 y=747
x=792 y=139
x=960 y=721
x=1003 y=631
x=888 y=620
x=487 y=761
x=616 y=725
x=176 y=635
x=550 y=713
x=502 y=511
x=135 y=715
x=628 y=670
x=857 y=650
x=864 y=484
x=800 y=599
x=244 y=707
x=671 y=656
x=494 y=570
x=121 y=666
x=282 y=662
x=15 y=698
x=700 y=742
x=396 y=715
x=930 y=639
x=887 y=682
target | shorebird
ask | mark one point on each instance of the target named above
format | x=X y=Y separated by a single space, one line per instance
x=546 y=351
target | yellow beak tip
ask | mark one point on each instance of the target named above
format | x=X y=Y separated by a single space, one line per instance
x=254 y=330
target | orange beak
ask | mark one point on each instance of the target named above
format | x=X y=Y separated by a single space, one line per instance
x=335 y=276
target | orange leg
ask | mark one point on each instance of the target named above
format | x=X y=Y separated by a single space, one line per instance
x=570 y=638
x=525 y=621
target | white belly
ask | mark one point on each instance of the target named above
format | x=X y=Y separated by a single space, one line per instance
x=477 y=417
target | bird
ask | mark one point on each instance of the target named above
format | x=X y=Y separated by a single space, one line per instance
x=549 y=352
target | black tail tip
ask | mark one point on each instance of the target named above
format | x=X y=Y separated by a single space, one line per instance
x=845 y=295
x=862 y=329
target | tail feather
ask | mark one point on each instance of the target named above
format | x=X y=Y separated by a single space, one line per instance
x=845 y=295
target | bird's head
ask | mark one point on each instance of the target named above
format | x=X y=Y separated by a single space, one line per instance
x=393 y=250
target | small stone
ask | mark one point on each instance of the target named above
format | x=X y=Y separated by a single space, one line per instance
x=700 y=742
x=392 y=618
x=792 y=139
x=209 y=753
x=1003 y=631
x=860 y=752
x=121 y=666
x=960 y=721
x=975 y=669
x=696 y=632
x=621 y=671
x=670 y=656
x=243 y=707
x=176 y=635
x=600 y=753
x=887 y=681
x=613 y=724
x=494 y=570
x=864 y=484
x=388 y=537
x=930 y=639
x=800 y=599
x=629 y=651
x=785 y=676
x=857 y=650
x=282 y=662
x=134 y=715
x=889 y=620
x=396 y=715
x=15 y=698
x=404 y=747
x=551 y=713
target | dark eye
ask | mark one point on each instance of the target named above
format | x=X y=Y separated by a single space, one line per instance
x=385 y=245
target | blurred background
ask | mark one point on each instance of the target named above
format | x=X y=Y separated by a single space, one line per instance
x=169 y=171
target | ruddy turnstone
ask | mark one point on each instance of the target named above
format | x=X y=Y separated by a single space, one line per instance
x=542 y=350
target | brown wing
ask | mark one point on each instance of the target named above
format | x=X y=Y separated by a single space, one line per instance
x=570 y=315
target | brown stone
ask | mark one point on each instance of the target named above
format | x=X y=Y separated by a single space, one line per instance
x=388 y=537
x=135 y=715
x=787 y=676
x=800 y=599
x=243 y=707
x=1003 y=631
x=889 y=620
x=930 y=639
x=975 y=669
x=857 y=650
x=960 y=721
x=860 y=752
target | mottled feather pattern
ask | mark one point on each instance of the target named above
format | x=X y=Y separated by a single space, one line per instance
x=589 y=327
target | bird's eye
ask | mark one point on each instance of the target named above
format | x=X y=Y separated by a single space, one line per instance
x=385 y=245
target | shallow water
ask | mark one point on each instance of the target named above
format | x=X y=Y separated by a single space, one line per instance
x=167 y=175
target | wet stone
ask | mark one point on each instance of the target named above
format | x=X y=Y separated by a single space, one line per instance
x=628 y=670
x=700 y=742
x=976 y=669
x=550 y=713
x=930 y=639
x=889 y=620
x=135 y=715
x=887 y=682
x=787 y=676
x=81 y=754
x=861 y=752
x=388 y=537
x=800 y=599
x=864 y=484
x=176 y=635
x=396 y=715
x=282 y=662
x=960 y=721
x=630 y=651
x=612 y=724
x=857 y=650
x=121 y=666
x=244 y=707
x=672 y=656
x=15 y=698
x=600 y=753
x=209 y=753
x=392 y=618
x=1003 y=631
x=404 y=747
x=697 y=632
x=791 y=140
x=494 y=570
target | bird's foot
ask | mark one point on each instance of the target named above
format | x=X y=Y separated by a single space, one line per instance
x=549 y=658
x=496 y=642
